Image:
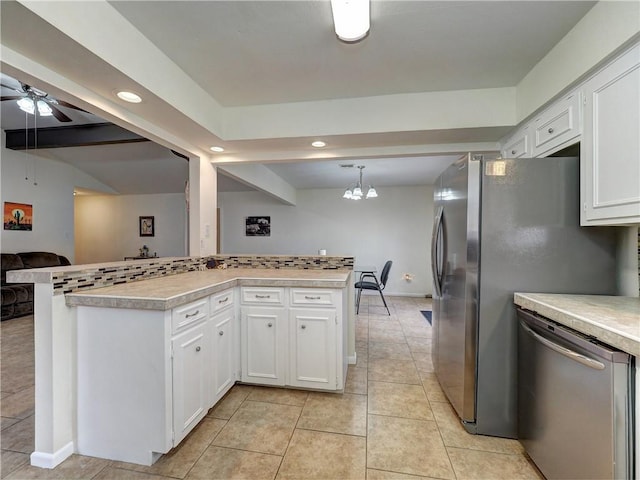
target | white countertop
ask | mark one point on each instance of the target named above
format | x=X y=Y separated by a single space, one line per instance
x=611 y=319
x=170 y=291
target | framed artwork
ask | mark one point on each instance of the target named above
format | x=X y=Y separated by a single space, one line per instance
x=147 y=226
x=18 y=216
x=258 y=226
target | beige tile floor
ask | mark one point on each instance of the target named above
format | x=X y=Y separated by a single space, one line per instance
x=392 y=421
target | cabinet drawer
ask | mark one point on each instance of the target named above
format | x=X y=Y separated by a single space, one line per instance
x=263 y=296
x=557 y=125
x=518 y=145
x=220 y=301
x=189 y=314
x=312 y=297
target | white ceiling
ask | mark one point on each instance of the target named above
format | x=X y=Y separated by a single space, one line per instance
x=248 y=53
x=266 y=52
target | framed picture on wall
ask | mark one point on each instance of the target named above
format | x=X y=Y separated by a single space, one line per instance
x=147 y=226
x=258 y=226
x=18 y=216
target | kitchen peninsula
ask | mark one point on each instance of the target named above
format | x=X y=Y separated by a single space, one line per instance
x=125 y=370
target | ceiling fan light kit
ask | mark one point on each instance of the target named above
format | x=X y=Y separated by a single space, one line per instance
x=351 y=19
x=30 y=99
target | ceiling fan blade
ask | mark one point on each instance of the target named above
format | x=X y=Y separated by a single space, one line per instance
x=59 y=115
x=11 y=97
x=11 y=88
x=62 y=103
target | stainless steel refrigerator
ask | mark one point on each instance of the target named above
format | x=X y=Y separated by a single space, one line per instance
x=502 y=226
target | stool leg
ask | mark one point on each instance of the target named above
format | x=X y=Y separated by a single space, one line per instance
x=358 y=301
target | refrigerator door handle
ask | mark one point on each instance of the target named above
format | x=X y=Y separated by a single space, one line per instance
x=589 y=362
x=436 y=268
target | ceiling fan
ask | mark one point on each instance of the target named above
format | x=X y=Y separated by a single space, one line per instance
x=31 y=100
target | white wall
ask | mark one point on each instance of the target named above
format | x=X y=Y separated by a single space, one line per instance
x=52 y=200
x=107 y=226
x=607 y=26
x=628 y=261
x=395 y=226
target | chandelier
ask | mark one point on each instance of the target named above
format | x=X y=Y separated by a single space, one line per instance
x=354 y=192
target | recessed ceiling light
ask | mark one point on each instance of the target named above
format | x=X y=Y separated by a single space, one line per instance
x=129 y=96
x=217 y=149
x=318 y=144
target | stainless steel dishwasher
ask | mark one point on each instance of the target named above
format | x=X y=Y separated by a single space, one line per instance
x=575 y=418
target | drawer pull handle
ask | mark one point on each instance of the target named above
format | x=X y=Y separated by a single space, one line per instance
x=226 y=299
x=513 y=152
x=189 y=315
x=303 y=327
x=269 y=324
x=263 y=296
x=198 y=348
x=221 y=333
x=307 y=297
x=550 y=130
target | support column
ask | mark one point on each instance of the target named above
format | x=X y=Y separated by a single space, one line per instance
x=203 y=201
x=55 y=367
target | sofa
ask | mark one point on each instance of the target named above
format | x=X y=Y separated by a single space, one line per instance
x=17 y=298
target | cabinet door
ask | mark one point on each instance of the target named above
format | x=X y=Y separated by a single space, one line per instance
x=558 y=126
x=312 y=348
x=263 y=345
x=224 y=352
x=191 y=364
x=610 y=155
x=518 y=145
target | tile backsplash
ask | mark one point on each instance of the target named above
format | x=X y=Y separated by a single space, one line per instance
x=120 y=272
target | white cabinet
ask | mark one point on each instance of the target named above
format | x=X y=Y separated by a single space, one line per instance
x=518 y=144
x=147 y=377
x=314 y=338
x=312 y=348
x=610 y=152
x=264 y=335
x=293 y=337
x=558 y=126
x=224 y=342
x=263 y=345
x=191 y=359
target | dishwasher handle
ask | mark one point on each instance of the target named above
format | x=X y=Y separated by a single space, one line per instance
x=589 y=362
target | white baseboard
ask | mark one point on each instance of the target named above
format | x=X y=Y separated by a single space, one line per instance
x=392 y=294
x=351 y=359
x=51 y=460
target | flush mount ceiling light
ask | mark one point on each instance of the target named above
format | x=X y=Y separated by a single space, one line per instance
x=354 y=192
x=318 y=144
x=129 y=96
x=350 y=19
x=217 y=149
